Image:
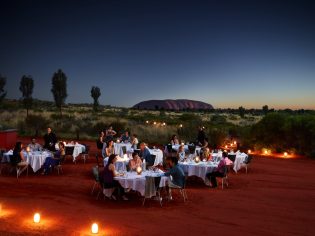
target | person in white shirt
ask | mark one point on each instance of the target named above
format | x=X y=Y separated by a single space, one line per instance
x=134 y=141
x=34 y=146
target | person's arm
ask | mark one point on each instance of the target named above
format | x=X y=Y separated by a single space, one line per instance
x=132 y=164
x=113 y=169
x=114 y=132
x=22 y=156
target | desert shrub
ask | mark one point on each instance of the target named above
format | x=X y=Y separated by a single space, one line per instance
x=34 y=124
x=218 y=119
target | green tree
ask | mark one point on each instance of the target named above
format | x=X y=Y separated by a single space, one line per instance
x=265 y=109
x=3 y=82
x=95 y=94
x=26 y=88
x=241 y=111
x=59 y=89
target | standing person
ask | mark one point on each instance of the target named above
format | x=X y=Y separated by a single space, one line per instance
x=220 y=171
x=134 y=141
x=110 y=133
x=100 y=140
x=50 y=140
x=18 y=158
x=201 y=136
x=125 y=138
x=174 y=140
x=34 y=146
x=108 y=177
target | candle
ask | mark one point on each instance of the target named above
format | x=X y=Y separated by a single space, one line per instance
x=139 y=170
x=36 y=218
x=249 y=151
x=94 y=228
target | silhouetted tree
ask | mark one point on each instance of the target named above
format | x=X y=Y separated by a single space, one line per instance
x=241 y=111
x=265 y=109
x=26 y=88
x=3 y=82
x=59 y=89
x=95 y=94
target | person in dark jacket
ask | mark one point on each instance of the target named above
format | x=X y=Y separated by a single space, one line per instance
x=145 y=154
x=50 y=140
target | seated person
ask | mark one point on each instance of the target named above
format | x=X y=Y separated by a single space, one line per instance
x=174 y=140
x=108 y=178
x=228 y=162
x=34 y=146
x=53 y=161
x=109 y=150
x=134 y=141
x=125 y=138
x=145 y=154
x=18 y=158
x=204 y=147
x=181 y=153
x=206 y=154
x=218 y=172
x=135 y=162
x=177 y=174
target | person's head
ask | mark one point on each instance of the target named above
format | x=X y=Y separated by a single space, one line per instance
x=18 y=146
x=33 y=140
x=171 y=161
x=126 y=133
x=61 y=145
x=174 y=137
x=135 y=156
x=102 y=134
x=110 y=128
x=48 y=130
x=112 y=159
x=142 y=146
x=110 y=143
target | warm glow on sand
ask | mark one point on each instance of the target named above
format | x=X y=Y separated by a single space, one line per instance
x=36 y=218
x=94 y=228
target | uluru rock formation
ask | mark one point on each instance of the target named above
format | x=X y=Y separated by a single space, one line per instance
x=170 y=104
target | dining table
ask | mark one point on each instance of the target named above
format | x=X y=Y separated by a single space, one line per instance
x=200 y=169
x=136 y=182
x=34 y=159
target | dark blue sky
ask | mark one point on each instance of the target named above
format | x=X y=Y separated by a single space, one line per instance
x=227 y=53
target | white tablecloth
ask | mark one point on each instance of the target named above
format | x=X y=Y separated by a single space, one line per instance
x=158 y=156
x=34 y=159
x=239 y=159
x=118 y=148
x=78 y=149
x=176 y=147
x=198 y=169
x=137 y=182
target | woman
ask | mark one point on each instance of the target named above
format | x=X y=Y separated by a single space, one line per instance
x=135 y=162
x=108 y=177
x=110 y=133
x=53 y=161
x=18 y=158
x=109 y=150
x=181 y=153
x=174 y=140
x=134 y=141
x=220 y=171
x=100 y=141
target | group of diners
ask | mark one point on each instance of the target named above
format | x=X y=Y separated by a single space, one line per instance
x=19 y=159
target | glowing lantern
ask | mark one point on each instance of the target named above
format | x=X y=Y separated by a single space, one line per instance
x=118 y=141
x=147 y=122
x=36 y=218
x=28 y=149
x=197 y=159
x=226 y=146
x=139 y=170
x=94 y=228
x=231 y=145
x=164 y=123
x=154 y=123
x=285 y=154
x=249 y=151
x=234 y=142
x=181 y=126
x=266 y=152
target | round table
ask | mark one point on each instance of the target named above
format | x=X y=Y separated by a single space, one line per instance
x=198 y=169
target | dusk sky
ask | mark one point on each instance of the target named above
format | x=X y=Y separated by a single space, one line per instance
x=226 y=53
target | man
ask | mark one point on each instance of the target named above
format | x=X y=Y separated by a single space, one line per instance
x=34 y=146
x=145 y=154
x=50 y=140
x=125 y=138
x=177 y=174
x=201 y=136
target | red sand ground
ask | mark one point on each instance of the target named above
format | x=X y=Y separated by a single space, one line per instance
x=276 y=197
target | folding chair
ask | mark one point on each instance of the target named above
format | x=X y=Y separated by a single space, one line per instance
x=85 y=154
x=182 y=190
x=247 y=162
x=224 y=179
x=69 y=151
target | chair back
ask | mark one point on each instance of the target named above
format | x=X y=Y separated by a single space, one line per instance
x=248 y=159
x=96 y=174
x=192 y=149
x=232 y=157
x=169 y=148
x=137 y=151
x=69 y=150
x=87 y=149
x=13 y=160
x=124 y=149
x=152 y=160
